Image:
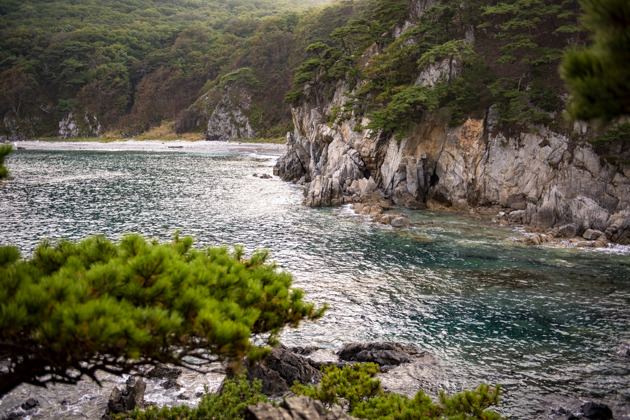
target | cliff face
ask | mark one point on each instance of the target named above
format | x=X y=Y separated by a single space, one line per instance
x=538 y=178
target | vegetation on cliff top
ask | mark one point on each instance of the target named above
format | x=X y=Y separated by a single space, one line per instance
x=75 y=308
x=484 y=53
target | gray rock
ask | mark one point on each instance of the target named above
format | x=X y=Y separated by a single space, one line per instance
x=568 y=231
x=30 y=404
x=131 y=397
x=280 y=370
x=296 y=408
x=164 y=372
x=591 y=235
x=400 y=221
x=593 y=411
x=383 y=353
x=170 y=384
x=619 y=228
x=228 y=120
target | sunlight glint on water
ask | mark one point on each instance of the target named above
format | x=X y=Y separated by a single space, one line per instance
x=545 y=323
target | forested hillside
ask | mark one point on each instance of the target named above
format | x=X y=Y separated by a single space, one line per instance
x=129 y=65
x=459 y=59
x=223 y=68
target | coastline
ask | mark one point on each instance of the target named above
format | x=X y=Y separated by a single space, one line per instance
x=271 y=149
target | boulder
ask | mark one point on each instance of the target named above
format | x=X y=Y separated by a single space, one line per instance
x=593 y=411
x=296 y=408
x=164 y=372
x=29 y=404
x=568 y=231
x=280 y=370
x=171 y=383
x=591 y=234
x=516 y=216
x=400 y=221
x=618 y=229
x=383 y=353
x=131 y=397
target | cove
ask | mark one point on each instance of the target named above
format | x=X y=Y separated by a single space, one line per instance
x=550 y=325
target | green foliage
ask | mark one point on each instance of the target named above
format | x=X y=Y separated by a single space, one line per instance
x=354 y=384
x=405 y=107
x=619 y=134
x=77 y=307
x=230 y=404
x=598 y=77
x=5 y=149
x=528 y=34
x=134 y=63
x=466 y=405
x=244 y=75
x=471 y=404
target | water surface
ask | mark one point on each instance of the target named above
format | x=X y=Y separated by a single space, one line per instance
x=545 y=323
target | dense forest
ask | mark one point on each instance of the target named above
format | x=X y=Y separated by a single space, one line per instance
x=129 y=65
x=124 y=67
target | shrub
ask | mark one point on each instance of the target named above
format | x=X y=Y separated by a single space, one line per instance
x=230 y=404
x=78 y=307
x=5 y=149
x=357 y=386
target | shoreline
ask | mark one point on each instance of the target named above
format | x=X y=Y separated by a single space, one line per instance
x=272 y=149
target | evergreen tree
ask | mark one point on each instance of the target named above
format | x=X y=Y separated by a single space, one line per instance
x=75 y=308
x=5 y=149
x=599 y=76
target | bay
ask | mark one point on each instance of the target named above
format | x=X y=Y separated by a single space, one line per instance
x=548 y=324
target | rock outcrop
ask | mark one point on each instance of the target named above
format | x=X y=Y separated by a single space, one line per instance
x=280 y=369
x=229 y=119
x=128 y=399
x=593 y=411
x=539 y=178
x=404 y=367
x=296 y=408
x=73 y=126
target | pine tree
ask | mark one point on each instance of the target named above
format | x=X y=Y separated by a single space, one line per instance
x=5 y=149
x=75 y=308
x=598 y=77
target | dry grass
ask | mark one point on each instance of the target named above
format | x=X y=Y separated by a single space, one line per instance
x=166 y=132
x=272 y=140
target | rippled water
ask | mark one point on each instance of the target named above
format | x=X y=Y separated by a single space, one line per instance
x=548 y=324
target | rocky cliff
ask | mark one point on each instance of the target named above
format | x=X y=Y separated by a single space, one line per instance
x=539 y=177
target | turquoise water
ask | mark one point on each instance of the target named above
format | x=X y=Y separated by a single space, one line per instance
x=545 y=323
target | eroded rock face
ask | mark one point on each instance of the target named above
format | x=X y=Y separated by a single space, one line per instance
x=538 y=179
x=75 y=126
x=228 y=120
